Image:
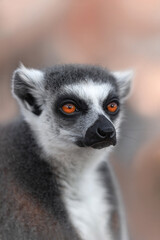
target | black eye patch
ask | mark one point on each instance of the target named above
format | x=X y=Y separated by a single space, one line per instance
x=80 y=104
x=112 y=98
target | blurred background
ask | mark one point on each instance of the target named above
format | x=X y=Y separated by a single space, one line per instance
x=115 y=34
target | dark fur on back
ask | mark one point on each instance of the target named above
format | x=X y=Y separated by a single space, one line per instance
x=27 y=183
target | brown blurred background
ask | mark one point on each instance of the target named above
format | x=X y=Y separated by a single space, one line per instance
x=116 y=34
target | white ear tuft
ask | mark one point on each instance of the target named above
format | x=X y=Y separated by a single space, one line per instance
x=28 y=88
x=124 y=81
x=127 y=75
x=21 y=65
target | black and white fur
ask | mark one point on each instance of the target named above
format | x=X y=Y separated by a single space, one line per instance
x=45 y=165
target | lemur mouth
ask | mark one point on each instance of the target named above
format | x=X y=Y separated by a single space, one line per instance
x=103 y=144
x=97 y=145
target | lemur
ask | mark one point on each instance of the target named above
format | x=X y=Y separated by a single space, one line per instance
x=56 y=182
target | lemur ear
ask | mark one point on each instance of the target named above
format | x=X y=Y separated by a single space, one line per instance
x=28 y=88
x=124 y=80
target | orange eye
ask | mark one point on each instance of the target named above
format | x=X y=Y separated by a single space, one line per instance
x=112 y=107
x=69 y=108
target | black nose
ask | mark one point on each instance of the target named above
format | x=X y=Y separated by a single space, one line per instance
x=101 y=134
x=105 y=132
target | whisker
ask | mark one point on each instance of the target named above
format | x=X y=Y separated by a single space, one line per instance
x=130 y=137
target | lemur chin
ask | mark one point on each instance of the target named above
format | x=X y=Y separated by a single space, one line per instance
x=56 y=181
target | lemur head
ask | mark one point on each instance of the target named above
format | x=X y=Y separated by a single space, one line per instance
x=72 y=106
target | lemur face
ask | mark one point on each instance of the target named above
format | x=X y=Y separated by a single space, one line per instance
x=88 y=111
x=72 y=105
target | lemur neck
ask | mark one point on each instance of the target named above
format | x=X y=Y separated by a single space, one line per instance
x=83 y=192
x=73 y=164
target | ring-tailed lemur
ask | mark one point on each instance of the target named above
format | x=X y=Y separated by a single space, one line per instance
x=55 y=183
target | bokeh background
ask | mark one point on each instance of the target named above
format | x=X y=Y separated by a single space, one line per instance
x=115 y=34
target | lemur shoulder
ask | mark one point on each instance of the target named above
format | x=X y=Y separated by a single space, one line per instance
x=55 y=179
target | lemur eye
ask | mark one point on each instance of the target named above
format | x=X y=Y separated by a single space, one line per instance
x=112 y=107
x=69 y=108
